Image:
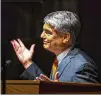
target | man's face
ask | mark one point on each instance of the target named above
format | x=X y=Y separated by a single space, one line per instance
x=51 y=40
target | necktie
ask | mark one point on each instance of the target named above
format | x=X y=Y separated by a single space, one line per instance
x=54 y=67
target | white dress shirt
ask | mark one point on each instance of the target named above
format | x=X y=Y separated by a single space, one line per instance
x=62 y=55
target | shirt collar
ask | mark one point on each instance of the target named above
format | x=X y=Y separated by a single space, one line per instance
x=62 y=55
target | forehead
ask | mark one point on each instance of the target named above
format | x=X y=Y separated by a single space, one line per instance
x=47 y=26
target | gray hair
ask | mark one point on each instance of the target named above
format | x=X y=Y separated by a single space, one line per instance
x=63 y=22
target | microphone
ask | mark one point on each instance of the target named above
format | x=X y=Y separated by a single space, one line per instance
x=7 y=63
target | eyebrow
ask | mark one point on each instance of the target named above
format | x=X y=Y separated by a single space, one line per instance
x=47 y=29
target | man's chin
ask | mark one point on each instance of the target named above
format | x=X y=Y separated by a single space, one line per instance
x=46 y=46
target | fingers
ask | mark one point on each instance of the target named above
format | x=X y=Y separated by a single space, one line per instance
x=56 y=77
x=45 y=78
x=39 y=79
x=15 y=45
x=42 y=78
x=21 y=43
x=32 y=48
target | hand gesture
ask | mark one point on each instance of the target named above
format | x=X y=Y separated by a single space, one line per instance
x=45 y=78
x=23 y=54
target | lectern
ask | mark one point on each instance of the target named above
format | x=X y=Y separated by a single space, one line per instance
x=37 y=87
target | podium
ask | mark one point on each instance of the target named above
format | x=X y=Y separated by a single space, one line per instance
x=37 y=87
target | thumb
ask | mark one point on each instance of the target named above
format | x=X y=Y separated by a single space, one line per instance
x=56 y=77
x=32 y=48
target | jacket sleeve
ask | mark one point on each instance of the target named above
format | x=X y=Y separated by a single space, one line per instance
x=86 y=73
x=31 y=72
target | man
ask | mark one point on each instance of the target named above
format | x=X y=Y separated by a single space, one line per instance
x=60 y=31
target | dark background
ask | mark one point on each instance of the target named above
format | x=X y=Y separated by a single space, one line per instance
x=24 y=19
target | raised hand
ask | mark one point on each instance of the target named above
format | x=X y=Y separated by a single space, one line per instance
x=45 y=78
x=23 y=54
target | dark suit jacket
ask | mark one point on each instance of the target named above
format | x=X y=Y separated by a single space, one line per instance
x=75 y=67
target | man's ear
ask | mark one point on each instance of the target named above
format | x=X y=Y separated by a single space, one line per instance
x=66 y=37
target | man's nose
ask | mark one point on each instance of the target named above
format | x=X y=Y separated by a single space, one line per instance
x=42 y=35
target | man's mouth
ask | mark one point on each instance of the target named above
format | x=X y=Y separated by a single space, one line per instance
x=45 y=42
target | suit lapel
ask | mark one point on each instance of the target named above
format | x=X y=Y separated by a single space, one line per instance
x=61 y=67
x=66 y=61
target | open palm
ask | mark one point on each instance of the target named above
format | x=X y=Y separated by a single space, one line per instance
x=23 y=54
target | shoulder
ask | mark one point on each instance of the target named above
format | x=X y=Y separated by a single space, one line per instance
x=79 y=58
x=80 y=55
